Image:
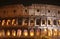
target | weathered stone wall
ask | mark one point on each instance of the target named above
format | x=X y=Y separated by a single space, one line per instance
x=33 y=10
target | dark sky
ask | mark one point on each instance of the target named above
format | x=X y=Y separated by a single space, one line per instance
x=29 y=2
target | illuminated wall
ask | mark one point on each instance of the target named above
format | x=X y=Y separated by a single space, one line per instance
x=38 y=20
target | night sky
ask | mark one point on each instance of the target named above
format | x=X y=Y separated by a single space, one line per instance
x=29 y=2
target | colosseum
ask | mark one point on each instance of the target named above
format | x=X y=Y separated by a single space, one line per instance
x=37 y=21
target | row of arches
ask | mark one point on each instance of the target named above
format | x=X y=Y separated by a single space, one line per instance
x=40 y=21
x=32 y=33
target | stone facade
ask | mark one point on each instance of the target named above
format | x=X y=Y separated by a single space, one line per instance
x=34 y=9
x=40 y=19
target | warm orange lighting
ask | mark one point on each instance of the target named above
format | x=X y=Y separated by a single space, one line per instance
x=32 y=22
x=8 y=33
x=59 y=32
x=19 y=32
x=50 y=32
x=55 y=32
x=45 y=30
x=25 y=33
x=3 y=33
x=58 y=22
x=8 y=21
x=25 y=22
x=32 y=33
x=13 y=33
x=3 y=22
x=55 y=29
x=38 y=32
x=13 y=22
x=0 y=34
